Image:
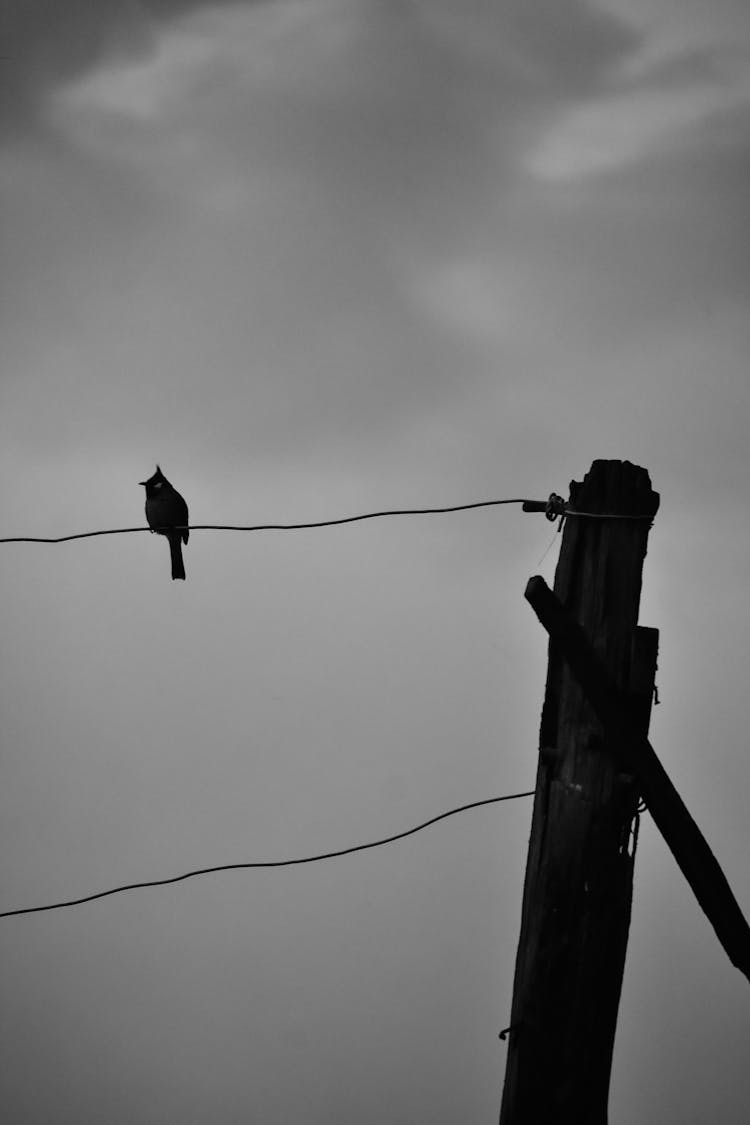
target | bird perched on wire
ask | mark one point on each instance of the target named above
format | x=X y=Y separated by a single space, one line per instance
x=167 y=514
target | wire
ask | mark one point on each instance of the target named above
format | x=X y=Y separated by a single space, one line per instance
x=608 y=515
x=266 y=863
x=557 y=507
x=275 y=526
x=552 y=508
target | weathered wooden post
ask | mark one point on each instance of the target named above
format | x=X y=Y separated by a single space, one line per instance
x=578 y=887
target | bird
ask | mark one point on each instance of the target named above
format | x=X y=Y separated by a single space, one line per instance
x=167 y=514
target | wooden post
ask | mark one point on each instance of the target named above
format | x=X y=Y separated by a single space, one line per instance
x=578 y=887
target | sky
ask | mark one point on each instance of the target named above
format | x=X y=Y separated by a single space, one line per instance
x=317 y=258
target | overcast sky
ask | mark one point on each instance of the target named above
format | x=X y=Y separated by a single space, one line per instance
x=320 y=257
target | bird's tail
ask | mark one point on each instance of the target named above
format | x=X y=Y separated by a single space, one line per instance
x=175 y=550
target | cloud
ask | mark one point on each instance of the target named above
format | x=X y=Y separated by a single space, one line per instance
x=269 y=46
x=315 y=220
x=47 y=43
x=650 y=117
x=345 y=90
x=684 y=77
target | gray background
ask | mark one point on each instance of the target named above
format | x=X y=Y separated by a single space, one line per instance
x=318 y=257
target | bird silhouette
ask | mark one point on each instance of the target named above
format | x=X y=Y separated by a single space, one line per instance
x=167 y=514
